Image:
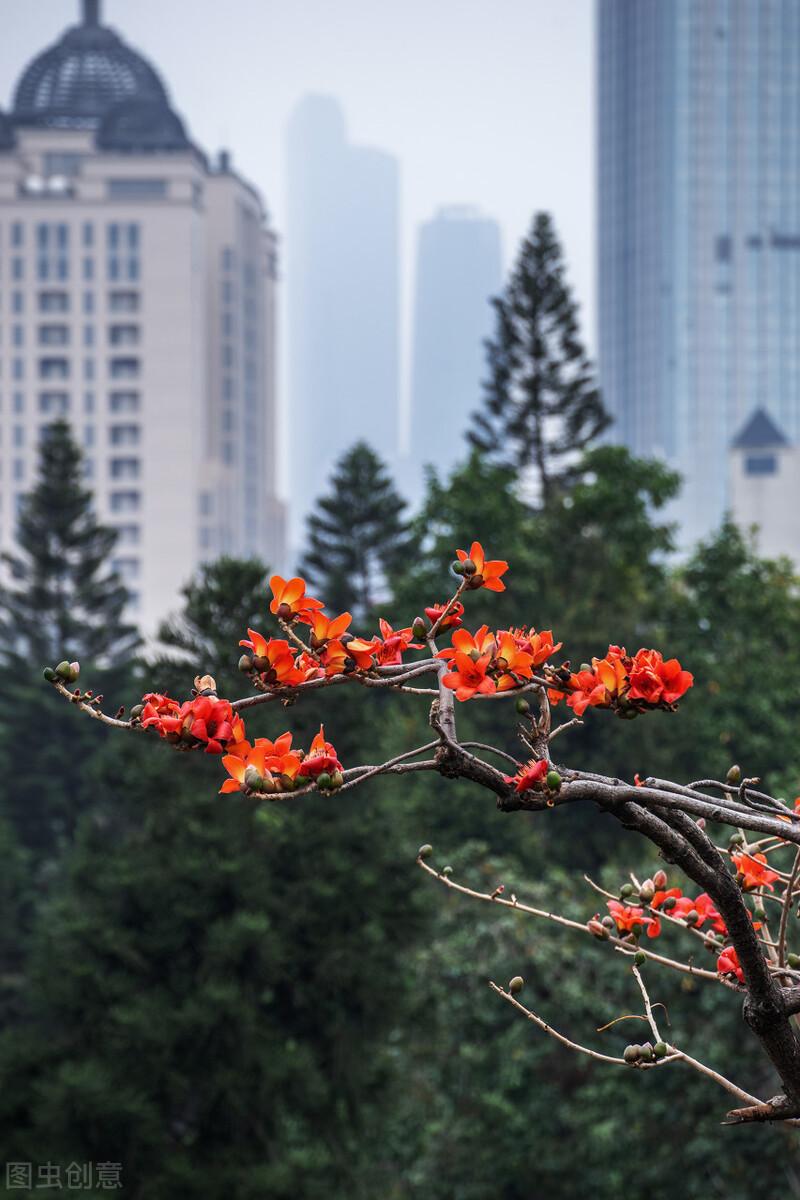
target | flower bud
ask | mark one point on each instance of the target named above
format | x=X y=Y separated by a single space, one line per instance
x=448 y=871
x=476 y=581
x=759 y=914
x=258 y=662
x=468 y=567
x=609 y=922
x=692 y=917
x=631 y=1054
x=516 y=985
x=734 y=775
x=49 y=674
x=597 y=929
x=425 y=851
x=337 y=779
x=523 y=706
x=419 y=628
x=284 y=612
x=64 y=670
x=324 y=781
x=639 y=958
x=660 y=1049
x=660 y=880
x=647 y=891
x=736 y=839
x=253 y=778
x=457 y=567
x=669 y=904
x=646 y=1052
x=626 y=890
x=245 y=663
x=793 y=960
x=553 y=781
x=287 y=783
x=136 y=711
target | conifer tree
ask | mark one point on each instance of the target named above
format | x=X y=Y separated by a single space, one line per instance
x=541 y=404
x=358 y=533
x=61 y=601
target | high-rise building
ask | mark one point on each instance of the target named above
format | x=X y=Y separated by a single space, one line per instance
x=343 y=298
x=459 y=269
x=698 y=230
x=137 y=297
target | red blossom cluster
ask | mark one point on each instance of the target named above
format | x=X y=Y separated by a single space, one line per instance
x=270 y=767
x=205 y=721
x=628 y=684
x=486 y=662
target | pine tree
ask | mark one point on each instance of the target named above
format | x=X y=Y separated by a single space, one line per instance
x=541 y=405
x=358 y=534
x=61 y=601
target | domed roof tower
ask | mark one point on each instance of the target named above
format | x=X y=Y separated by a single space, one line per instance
x=88 y=72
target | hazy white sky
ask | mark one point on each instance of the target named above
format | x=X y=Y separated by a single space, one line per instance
x=486 y=102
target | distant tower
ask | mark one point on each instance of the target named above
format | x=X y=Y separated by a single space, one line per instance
x=459 y=269
x=343 y=306
x=698 y=230
x=137 y=294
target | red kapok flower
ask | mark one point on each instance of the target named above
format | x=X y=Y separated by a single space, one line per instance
x=455 y=611
x=321 y=757
x=539 y=645
x=468 y=677
x=486 y=574
x=211 y=721
x=753 y=871
x=707 y=911
x=474 y=644
x=529 y=775
x=627 y=917
x=273 y=658
x=587 y=690
x=728 y=964
x=389 y=650
x=325 y=629
x=289 y=599
x=156 y=707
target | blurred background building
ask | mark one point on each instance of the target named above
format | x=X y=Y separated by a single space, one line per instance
x=765 y=486
x=458 y=270
x=343 y=298
x=137 y=299
x=698 y=230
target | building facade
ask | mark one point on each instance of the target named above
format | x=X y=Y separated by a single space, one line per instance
x=698 y=230
x=137 y=299
x=343 y=298
x=765 y=487
x=458 y=270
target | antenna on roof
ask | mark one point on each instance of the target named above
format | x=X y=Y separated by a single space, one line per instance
x=91 y=12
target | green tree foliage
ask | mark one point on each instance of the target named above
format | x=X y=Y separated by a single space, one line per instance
x=357 y=535
x=61 y=602
x=541 y=403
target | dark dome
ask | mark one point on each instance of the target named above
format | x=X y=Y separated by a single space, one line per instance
x=7 y=138
x=81 y=77
x=143 y=126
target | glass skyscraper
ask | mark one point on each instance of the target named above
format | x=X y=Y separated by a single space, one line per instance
x=698 y=230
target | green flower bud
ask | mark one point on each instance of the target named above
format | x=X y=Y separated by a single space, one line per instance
x=692 y=917
x=49 y=674
x=457 y=567
x=419 y=628
x=647 y=1052
x=448 y=871
x=626 y=890
x=337 y=779
x=734 y=775
x=323 y=781
x=639 y=958
x=253 y=778
x=736 y=839
x=425 y=851
x=523 y=706
x=647 y=891
x=660 y=1049
x=136 y=711
x=553 y=781
x=669 y=904
x=64 y=670
x=245 y=663
x=516 y=985
x=468 y=567
x=631 y=1054
x=793 y=960
x=74 y=671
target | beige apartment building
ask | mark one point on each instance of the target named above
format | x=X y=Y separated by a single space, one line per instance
x=137 y=299
x=765 y=487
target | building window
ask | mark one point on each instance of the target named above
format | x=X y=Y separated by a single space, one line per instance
x=19 y=469
x=124 y=468
x=124 y=368
x=53 y=335
x=53 y=302
x=761 y=464
x=18 y=302
x=122 y=502
x=60 y=162
x=53 y=368
x=17 y=233
x=54 y=404
x=127 y=568
x=128 y=535
x=139 y=189
x=19 y=436
x=119 y=302
x=19 y=402
x=88 y=402
x=123 y=335
x=124 y=435
x=88 y=302
x=124 y=402
x=88 y=435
